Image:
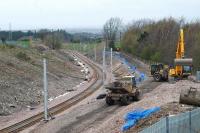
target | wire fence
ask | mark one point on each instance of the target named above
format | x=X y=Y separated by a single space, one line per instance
x=188 y=122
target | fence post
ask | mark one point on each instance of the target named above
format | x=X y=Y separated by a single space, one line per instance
x=190 y=121
x=167 y=124
x=95 y=53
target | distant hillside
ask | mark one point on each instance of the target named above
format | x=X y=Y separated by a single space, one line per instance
x=87 y=30
x=77 y=35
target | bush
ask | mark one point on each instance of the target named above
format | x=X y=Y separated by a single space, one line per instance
x=23 y=56
x=156 y=57
x=146 y=53
x=5 y=46
x=53 y=41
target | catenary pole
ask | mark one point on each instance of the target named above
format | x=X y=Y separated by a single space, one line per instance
x=45 y=91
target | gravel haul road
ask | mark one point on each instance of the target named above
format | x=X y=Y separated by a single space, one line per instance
x=90 y=113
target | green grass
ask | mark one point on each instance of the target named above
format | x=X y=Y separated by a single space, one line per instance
x=23 y=44
x=83 y=47
x=118 y=45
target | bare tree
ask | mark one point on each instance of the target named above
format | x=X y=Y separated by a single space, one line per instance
x=53 y=40
x=110 y=31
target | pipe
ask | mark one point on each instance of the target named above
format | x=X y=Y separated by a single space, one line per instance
x=183 y=62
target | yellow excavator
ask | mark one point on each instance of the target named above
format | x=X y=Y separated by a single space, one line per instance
x=182 y=66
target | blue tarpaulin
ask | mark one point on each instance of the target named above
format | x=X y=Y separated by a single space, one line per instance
x=132 y=118
x=139 y=75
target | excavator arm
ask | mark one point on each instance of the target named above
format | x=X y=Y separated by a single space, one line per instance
x=180 y=53
x=180 y=60
x=180 y=46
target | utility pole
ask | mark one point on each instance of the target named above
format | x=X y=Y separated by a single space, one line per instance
x=45 y=90
x=104 y=66
x=10 y=32
x=120 y=37
x=35 y=34
x=95 y=53
x=111 y=62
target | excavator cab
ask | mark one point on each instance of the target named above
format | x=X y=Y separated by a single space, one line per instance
x=156 y=68
x=187 y=70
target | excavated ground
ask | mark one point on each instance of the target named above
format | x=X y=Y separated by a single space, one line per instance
x=91 y=113
x=159 y=96
x=21 y=80
x=94 y=116
x=172 y=108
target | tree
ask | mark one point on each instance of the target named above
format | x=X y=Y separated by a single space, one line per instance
x=156 y=57
x=53 y=40
x=3 y=39
x=110 y=30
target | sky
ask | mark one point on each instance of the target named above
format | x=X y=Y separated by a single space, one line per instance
x=63 y=14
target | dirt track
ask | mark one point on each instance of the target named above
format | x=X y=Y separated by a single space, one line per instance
x=89 y=114
x=93 y=116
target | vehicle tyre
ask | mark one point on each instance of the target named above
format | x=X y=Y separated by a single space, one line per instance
x=157 y=77
x=137 y=96
x=109 y=101
x=165 y=75
x=124 y=100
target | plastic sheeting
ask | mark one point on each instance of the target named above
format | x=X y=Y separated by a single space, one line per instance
x=140 y=76
x=132 y=118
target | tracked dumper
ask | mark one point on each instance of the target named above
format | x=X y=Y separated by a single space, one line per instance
x=123 y=90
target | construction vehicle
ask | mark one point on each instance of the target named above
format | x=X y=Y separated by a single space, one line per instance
x=159 y=72
x=183 y=66
x=123 y=90
x=183 y=69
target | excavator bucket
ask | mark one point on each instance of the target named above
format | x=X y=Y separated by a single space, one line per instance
x=190 y=96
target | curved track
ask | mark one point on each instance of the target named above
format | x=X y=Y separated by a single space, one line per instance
x=97 y=75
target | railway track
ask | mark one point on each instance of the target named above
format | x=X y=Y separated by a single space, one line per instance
x=64 y=105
